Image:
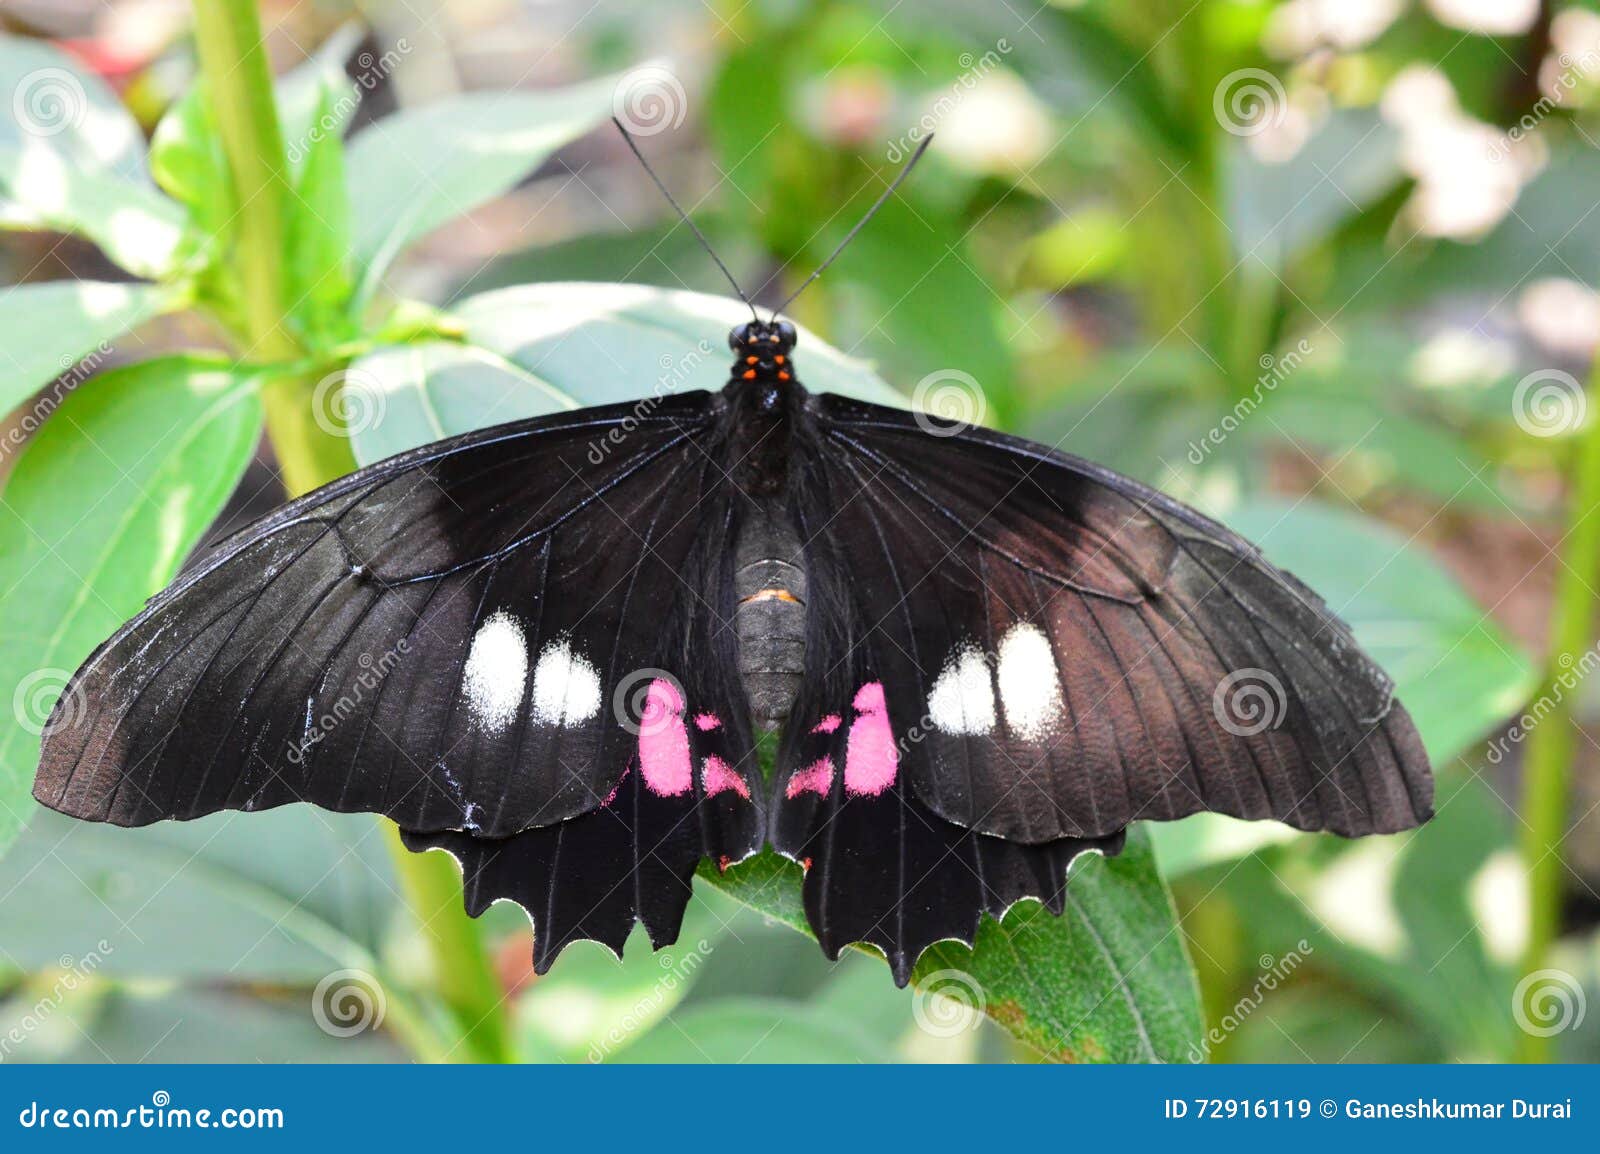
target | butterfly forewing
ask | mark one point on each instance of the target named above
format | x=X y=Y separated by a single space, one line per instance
x=1068 y=646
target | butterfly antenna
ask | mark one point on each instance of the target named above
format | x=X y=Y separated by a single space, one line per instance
x=860 y=224
x=700 y=236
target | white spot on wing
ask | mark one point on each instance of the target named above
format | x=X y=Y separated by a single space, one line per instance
x=496 y=671
x=566 y=687
x=1030 y=687
x=962 y=698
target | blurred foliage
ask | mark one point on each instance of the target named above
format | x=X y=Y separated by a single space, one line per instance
x=1292 y=262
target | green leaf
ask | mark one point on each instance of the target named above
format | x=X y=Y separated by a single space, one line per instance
x=46 y=329
x=1381 y=447
x=142 y=1024
x=1456 y=671
x=1422 y=923
x=413 y=171
x=285 y=896
x=407 y=395
x=908 y=291
x=102 y=507
x=601 y=343
x=1108 y=981
x=48 y=99
x=320 y=270
x=756 y=1030
x=1276 y=210
x=316 y=99
x=72 y=159
x=591 y=1006
x=132 y=223
x=186 y=159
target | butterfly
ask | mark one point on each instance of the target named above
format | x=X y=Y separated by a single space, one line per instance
x=558 y=648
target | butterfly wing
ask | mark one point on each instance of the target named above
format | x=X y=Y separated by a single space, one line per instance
x=1075 y=651
x=450 y=638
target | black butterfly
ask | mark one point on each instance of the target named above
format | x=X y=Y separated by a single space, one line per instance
x=549 y=648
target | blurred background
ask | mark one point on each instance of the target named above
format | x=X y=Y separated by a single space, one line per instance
x=1324 y=267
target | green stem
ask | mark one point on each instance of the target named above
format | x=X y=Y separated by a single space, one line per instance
x=312 y=449
x=1547 y=771
x=465 y=975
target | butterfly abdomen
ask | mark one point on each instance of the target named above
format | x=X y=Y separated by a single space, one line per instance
x=769 y=619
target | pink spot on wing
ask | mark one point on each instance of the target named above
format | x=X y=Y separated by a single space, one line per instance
x=828 y=724
x=612 y=796
x=816 y=777
x=718 y=776
x=706 y=722
x=664 y=742
x=870 y=757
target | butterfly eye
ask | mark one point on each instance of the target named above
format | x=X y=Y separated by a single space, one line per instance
x=786 y=334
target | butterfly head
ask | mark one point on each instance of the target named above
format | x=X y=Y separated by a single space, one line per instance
x=761 y=350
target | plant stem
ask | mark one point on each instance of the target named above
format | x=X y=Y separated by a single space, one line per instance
x=1547 y=770
x=465 y=975
x=311 y=447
